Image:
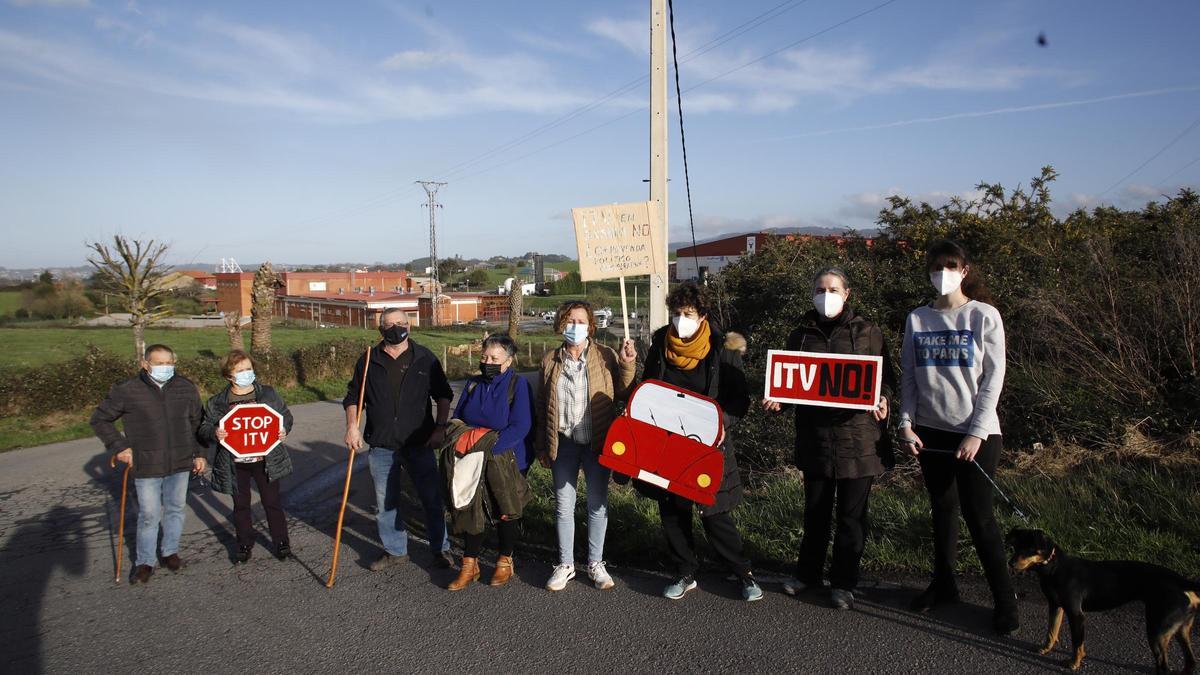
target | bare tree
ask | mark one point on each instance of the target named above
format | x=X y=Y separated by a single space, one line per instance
x=132 y=271
x=262 y=305
x=233 y=327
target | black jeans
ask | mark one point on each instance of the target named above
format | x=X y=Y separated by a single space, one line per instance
x=508 y=532
x=268 y=492
x=952 y=482
x=849 y=538
x=720 y=529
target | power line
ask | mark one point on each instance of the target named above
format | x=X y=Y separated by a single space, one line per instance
x=1153 y=157
x=689 y=89
x=1178 y=171
x=687 y=182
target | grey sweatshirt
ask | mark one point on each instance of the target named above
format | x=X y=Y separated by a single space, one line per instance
x=953 y=368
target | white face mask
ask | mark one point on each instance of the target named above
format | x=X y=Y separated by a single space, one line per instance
x=828 y=305
x=685 y=326
x=946 y=281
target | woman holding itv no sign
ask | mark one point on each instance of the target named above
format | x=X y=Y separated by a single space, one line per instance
x=232 y=475
x=840 y=451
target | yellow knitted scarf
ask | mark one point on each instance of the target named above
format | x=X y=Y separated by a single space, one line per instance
x=687 y=354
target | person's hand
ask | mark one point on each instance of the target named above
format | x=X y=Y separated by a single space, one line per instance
x=438 y=437
x=628 y=352
x=721 y=438
x=911 y=441
x=544 y=459
x=126 y=456
x=222 y=434
x=881 y=412
x=969 y=448
x=354 y=439
x=198 y=464
x=282 y=434
x=771 y=406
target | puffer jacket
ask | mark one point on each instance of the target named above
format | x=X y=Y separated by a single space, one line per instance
x=609 y=382
x=279 y=463
x=160 y=424
x=727 y=385
x=833 y=442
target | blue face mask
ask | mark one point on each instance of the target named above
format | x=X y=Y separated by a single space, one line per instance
x=575 y=333
x=162 y=374
x=243 y=378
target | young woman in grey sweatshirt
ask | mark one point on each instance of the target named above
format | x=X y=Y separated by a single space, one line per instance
x=953 y=370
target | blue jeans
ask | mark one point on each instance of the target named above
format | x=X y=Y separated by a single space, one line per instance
x=422 y=469
x=160 y=500
x=571 y=456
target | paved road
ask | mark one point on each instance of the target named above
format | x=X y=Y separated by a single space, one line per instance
x=63 y=613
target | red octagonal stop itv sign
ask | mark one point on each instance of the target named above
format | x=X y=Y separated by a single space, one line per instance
x=252 y=429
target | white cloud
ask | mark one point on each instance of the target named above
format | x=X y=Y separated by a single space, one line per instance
x=839 y=75
x=219 y=61
x=632 y=34
x=867 y=205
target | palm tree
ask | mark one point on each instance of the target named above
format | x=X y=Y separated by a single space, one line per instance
x=515 y=300
x=233 y=327
x=262 y=304
x=132 y=271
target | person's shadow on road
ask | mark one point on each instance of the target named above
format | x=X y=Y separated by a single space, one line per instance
x=41 y=546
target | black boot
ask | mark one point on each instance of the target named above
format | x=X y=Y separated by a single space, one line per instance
x=1005 y=619
x=938 y=593
x=283 y=550
x=244 y=553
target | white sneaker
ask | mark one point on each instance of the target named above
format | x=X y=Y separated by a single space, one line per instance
x=559 y=578
x=599 y=575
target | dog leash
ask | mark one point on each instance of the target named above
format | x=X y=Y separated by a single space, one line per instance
x=1017 y=510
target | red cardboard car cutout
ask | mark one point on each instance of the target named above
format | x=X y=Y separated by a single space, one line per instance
x=667 y=437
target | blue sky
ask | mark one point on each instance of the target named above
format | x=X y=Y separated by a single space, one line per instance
x=294 y=131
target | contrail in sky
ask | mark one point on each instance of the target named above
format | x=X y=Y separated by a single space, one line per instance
x=986 y=113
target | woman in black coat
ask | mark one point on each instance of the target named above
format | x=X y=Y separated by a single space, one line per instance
x=840 y=451
x=693 y=354
x=232 y=476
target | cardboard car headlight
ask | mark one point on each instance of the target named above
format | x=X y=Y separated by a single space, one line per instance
x=667 y=437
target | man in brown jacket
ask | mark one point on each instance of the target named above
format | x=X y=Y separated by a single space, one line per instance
x=161 y=412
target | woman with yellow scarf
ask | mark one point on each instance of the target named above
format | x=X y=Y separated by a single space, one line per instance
x=692 y=353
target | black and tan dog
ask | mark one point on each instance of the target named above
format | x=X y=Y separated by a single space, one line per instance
x=1073 y=586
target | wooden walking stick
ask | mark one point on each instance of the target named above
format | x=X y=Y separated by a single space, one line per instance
x=121 y=523
x=337 y=538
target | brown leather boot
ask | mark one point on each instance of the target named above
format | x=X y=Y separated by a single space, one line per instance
x=504 y=571
x=468 y=573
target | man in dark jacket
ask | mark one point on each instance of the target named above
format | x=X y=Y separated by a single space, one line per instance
x=161 y=412
x=403 y=380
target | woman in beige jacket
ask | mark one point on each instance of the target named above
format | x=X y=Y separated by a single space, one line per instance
x=581 y=381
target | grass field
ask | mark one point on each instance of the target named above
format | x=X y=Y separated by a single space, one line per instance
x=10 y=302
x=36 y=346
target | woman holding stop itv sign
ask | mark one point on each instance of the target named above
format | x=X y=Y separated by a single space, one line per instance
x=232 y=475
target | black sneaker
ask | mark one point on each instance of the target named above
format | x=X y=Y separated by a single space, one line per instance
x=244 y=553
x=937 y=594
x=283 y=550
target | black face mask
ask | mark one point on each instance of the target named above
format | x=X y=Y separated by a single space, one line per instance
x=489 y=371
x=394 y=335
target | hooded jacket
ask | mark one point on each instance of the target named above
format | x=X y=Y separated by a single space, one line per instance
x=838 y=443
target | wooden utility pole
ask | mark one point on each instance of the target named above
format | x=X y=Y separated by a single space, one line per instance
x=658 y=158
